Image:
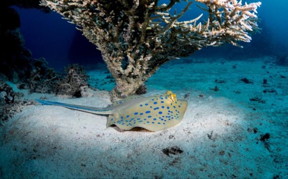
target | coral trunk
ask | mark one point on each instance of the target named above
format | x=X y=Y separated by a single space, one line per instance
x=125 y=87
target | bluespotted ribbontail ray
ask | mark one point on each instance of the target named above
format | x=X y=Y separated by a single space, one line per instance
x=153 y=113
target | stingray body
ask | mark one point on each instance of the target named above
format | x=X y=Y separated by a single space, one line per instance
x=153 y=113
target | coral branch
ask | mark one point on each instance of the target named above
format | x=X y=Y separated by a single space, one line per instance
x=143 y=34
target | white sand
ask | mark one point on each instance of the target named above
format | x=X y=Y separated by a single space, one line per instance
x=219 y=134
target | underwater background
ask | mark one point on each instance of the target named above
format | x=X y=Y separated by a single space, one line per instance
x=235 y=125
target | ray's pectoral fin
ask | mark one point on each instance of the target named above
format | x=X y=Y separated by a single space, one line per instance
x=152 y=113
x=112 y=118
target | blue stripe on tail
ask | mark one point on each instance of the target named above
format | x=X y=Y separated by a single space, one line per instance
x=43 y=102
x=94 y=110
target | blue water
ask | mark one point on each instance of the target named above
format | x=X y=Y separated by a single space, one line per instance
x=55 y=39
x=48 y=35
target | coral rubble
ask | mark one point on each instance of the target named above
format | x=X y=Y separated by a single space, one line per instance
x=135 y=37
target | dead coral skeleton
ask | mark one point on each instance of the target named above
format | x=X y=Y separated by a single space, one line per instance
x=144 y=34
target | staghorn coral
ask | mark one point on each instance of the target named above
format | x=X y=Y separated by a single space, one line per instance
x=135 y=37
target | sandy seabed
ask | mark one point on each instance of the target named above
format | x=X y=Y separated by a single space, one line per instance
x=235 y=126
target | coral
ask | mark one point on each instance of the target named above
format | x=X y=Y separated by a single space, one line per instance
x=141 y=90
x=74 y=83
x=136 y=37
x=41 y=79
x=10 y=102
x=17 y=63
x=7 y=95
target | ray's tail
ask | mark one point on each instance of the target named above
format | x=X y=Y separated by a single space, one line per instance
x=94 y=110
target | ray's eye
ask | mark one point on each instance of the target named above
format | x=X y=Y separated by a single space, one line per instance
x=173 y=97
